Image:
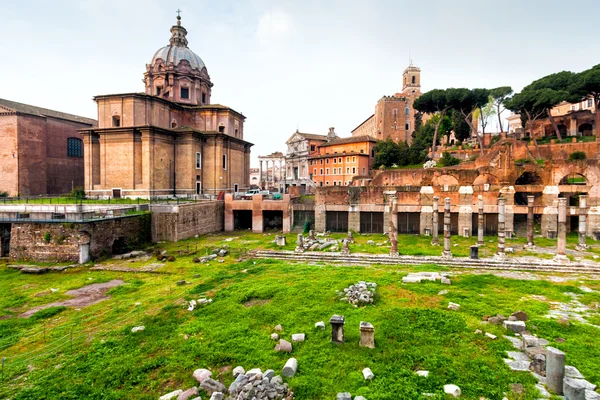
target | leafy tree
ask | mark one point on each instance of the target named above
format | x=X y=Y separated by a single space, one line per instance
x=577 y=155
x=448 y=160
x=433 y=102
x=586 y=85
x=483 y=114
x=466 y=102
x=526 y=104
x=387 y=153
x=552 y=90
x=461 y=129
x=499 y=96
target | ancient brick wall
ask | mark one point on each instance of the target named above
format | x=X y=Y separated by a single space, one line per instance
x=9 y=161
x=173 y=223
x=60 y=242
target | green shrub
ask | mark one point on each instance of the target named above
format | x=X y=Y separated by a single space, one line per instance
x=47 y=237
x=3 y=194
x=577 y=155
x=448 y=160
x=78 y=193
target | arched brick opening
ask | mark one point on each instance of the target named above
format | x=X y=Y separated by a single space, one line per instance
x=586 y=129
x=529 y=178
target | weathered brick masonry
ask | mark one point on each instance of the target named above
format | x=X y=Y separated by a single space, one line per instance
x=173 y=223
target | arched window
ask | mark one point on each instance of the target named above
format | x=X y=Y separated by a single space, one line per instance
x=74 y=147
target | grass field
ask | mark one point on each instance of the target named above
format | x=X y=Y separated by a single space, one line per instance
x=90 y=352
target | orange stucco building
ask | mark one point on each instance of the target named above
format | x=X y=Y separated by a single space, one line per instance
x=337 y=161
x=170 y=140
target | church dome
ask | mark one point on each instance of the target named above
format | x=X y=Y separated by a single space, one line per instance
x=174 y=54
x=178 y=50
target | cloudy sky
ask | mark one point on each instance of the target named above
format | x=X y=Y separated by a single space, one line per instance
x=309 y=64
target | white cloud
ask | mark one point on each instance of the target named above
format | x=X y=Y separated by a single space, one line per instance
x=273 y=26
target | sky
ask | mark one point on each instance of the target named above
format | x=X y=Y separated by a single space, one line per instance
x=287 y=65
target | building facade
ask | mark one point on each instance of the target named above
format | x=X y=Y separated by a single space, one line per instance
x=272 y=173
x=41 y=151
x=338 y=161
x=170 y=140
x=572 y=119
x=299 y=147
x=395 y=116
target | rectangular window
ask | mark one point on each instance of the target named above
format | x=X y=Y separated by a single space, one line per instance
x=407 y=126
x=333 y=183
x=74 y=147
x=327 y=161
x=221 y=129
x=313 y=147
x=224 y=161
x=340 y=183
x=327 y=171
x=353 y=158
x=185 y=93
x=116 y=121
x=395 y=112
x=347 y=170
x=321 y=171
x=203 y=98
x=353 y=170
x=363 y=170
x=590 y=103
x=326 y=183
x=198 y=161
x=158 y=90
x=347 y=159
x=340 y=160
x=321 y=184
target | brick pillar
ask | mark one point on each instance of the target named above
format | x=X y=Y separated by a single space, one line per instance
x=426 y=215
x=465 y=211
x=228 y=213
x=320 y=215
x=287 y=213
x=550 y=201
x=257 y=215
x=354 y=218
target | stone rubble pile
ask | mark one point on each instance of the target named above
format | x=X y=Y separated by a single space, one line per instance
x=360 y=294
x=259 y=385
x=546 y=364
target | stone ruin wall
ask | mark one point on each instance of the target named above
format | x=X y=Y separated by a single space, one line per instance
x=29 y=241
x=173 y=223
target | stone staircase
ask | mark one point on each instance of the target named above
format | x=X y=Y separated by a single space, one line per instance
x=362 y=259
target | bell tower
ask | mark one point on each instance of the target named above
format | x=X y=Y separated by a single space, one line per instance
x=411 y=79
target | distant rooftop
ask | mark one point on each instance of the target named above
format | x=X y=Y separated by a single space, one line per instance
x=44 y=112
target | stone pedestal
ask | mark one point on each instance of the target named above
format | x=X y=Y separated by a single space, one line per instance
x=530 y=201
x=480 y=227
x=337 y=328
x=447 y=253
x=345 y=248
x=550 y=202
x=555 y=369
x=367 y=335
x=435 y=221
x=353 y=218
x=300 y=244
x=393 y=227
x=281 y=240
x=581 y=245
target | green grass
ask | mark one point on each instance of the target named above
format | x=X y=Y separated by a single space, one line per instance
x=413 y=328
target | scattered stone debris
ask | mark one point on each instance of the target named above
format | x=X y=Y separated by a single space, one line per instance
x=274 y=336
x=343 y=396
x=34 y=269
x=423 y=373
x=453 y=306
x=360 y=294
x=417 y=277
x=137 y=328
x=491 y=336
x=289 y=370
x=278 y=328
x=284 y=346
x=515 y=326
x=368 y=374
x=298 y=337
x=452 y=390
x=320 y=325
x=171 y=395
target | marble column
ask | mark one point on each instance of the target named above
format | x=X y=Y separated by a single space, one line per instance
x=480 y=227
x=435 y=221
x=393 y=227
x=260 y=174
x=447 y=253
x=582 y=222
x=561 y=245
x=501 y=225
x=530 y=200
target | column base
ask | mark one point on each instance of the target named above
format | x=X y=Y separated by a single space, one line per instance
x=480 y=243
x=435 y=243
x=299 y=249
x=582 y=247
x=500 y=257
x=446 y=254
x=529 y=246
x=561 y=258
x=394 y=254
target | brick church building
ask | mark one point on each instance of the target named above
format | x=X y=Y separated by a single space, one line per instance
x=169 y=140
x=41 y=151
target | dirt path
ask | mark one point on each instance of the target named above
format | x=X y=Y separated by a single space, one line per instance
x=82 y=297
